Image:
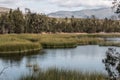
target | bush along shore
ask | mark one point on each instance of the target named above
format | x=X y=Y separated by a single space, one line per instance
x=22 y=43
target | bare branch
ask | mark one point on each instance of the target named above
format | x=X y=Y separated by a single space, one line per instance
x=3 y=70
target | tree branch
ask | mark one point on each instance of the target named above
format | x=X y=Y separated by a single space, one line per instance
x=1 y=72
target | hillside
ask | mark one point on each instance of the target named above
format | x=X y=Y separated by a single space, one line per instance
x=99 y=13
x=4 y=10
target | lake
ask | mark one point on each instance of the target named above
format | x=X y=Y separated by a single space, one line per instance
x=82 y=58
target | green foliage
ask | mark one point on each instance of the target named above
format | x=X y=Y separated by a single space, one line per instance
x=17 y=22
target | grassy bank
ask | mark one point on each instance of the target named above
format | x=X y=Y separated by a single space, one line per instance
x=18 y=47
x=10 y=44
x=117 y=44
x=53 y=42
x=20 y=43
x=103 y=35
x=54 y=74
x=89 y=41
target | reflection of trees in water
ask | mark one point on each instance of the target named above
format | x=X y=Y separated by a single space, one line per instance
x=112 y=64
x=12 y=60
x=17 y=59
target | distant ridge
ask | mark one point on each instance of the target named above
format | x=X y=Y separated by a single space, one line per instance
x=99 y=13
x=4 y=10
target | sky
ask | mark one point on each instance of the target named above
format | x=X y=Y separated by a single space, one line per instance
x=48 y=6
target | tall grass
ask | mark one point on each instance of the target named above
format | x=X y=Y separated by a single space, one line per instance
x=54 y=74
x=58 y=42
x=28 y=37
x=89 y=41
x=18 y=47
x=102 y=35
x=110 y=44
x=11 y=43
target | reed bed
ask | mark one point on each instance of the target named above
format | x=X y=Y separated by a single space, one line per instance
x=116 y=44
x=54 y=74
x=100 y=35
x=58 y=43
x=58 y=35
x=28 y=37
x=11 y=43
x=89 y=41
x=18 y=47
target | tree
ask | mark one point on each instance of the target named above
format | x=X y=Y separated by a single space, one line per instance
x=116 y=6
x=112 y=64
x=4 y=24
x=18 y=21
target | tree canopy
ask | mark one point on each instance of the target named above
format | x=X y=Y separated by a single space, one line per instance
x=17 y=22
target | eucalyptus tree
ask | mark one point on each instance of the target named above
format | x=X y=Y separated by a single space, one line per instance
x=4 y=24
x=18 y=19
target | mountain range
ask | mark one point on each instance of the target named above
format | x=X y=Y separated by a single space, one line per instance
x=98 y=13
x=4 y=10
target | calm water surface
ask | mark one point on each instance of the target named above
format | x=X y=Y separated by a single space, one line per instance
x=83 y=58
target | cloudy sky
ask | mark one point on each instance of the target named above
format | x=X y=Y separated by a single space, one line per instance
x=47 y=6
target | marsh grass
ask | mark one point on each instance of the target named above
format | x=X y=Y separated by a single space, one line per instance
x=58 y=42
x=54 y=74
x=117 y=44
x=18 y=47
x=89 y=41
x=100 y=35
x=28 y=37
x=12 y=43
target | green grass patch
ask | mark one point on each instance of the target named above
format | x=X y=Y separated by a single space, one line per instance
x=18 y=47
x=58 y=42
x=11 y=43
x=100 y=35
x=54 y=74
x=89 y=41
x=117 y=44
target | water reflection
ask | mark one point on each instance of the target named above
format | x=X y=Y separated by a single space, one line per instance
x=16 y=59
x=83 y=58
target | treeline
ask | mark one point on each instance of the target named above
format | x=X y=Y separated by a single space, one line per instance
x=17 y=22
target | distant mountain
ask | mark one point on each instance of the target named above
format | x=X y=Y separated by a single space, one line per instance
x=4 y=10
x=99 y=13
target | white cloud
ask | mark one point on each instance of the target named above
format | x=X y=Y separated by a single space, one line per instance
x=82 y=3
x=55 y=5
x=64 y=3
x=7 y=1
